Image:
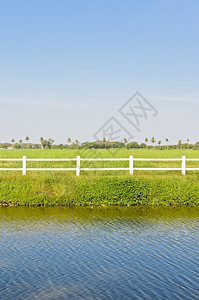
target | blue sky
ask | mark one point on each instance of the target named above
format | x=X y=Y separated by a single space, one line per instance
x=66 y=67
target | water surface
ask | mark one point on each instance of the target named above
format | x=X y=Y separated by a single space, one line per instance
x=99 y=253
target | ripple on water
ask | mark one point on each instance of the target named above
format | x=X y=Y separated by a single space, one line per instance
x=99 y=254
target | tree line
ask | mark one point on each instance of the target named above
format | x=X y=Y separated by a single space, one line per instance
x=100 y=144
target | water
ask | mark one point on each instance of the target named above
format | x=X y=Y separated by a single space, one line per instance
x=99 y=253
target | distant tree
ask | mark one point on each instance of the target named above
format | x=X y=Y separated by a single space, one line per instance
x=46 y=143
x=167 y=141
x=42 y=142
x=142 y=145
x=104 y=142
x=20 y=142
x=146 y=140
x=133 y=145
x=196 y=146
x=180 y=144
x=12 y=141
x=77 y=143
x=159 y=143
x=153 y=141
x=69 y=141
x=27 y=139
x=49 y=143
x=125 y=142
x=188 y=143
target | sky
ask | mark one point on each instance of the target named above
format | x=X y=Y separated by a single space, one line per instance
x=67 y=67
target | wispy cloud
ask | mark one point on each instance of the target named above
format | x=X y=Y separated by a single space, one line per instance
x=190 y=98
x=78 y=72
x=48 y=101
x=14 y=81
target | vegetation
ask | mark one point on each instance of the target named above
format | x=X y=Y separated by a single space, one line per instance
x=100 y=144
x=57 y=190
x=98 y=188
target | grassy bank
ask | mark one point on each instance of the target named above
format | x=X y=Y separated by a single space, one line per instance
x=98 y=188
x=57 y=190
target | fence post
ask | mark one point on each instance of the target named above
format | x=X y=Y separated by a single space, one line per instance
x=24 y=165
x=183 y=165
x=131 y=165
x=78 y=166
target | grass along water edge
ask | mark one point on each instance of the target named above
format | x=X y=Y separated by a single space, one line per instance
x=56 y=189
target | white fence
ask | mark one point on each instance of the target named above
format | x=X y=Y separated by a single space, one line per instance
x=78 y=160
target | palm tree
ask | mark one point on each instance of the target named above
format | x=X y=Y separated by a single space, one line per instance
x=188 y=143
x=146 y=140
x=20 y=142
x=153 y=141
x=179 y=144
x=27 y=139
x=125 y=142
x=42 y=142
x=77 y=143
x=12 y=141
x=69 y=141
x=104 y=142
x=49 y=143
x=159 y=143
x=167 y=141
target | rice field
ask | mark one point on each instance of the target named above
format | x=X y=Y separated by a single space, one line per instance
x=101 y=153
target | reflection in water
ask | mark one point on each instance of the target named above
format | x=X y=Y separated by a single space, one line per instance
x=100 y=253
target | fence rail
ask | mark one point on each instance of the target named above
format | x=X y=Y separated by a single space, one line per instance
x=78 y=168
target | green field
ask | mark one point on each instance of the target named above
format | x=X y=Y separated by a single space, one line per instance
x=123 y=153
x=99 y=187
x=70 y=153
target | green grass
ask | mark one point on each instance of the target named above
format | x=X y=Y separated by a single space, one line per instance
x=123 y=153
x=65 y=153
x=98 y=187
